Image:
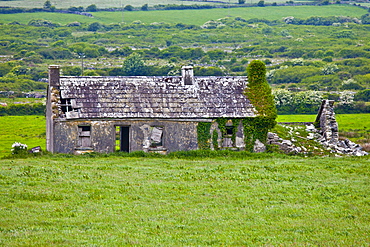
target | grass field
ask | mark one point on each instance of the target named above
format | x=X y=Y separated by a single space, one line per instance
x=29 y=130
x=346 y=122
x=118 y=3
x=196 y=17
x=116 y=201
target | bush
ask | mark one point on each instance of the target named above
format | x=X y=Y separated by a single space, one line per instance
x=363 y=95
x=23 y=109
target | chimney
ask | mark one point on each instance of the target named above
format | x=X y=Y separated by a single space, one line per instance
x=187 y=75
x=54 y=75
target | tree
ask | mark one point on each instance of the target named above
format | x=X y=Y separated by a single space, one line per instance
x=128 y=8
x=91 y=8
x=47 y=5
x=261 y=3
x=95 y=26
x=144 y=7
x=241 y=1
x=133 y=65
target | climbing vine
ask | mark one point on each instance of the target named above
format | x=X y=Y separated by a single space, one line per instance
x=259 y=93
x=215 y=140
x=204 y=135
x=236 y=122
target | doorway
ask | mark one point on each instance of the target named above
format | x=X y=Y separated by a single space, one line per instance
x=123 y=138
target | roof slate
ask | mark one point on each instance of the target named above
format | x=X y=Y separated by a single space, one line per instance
x=157 y=97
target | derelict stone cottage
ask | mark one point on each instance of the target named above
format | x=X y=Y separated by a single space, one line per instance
x=153 y=114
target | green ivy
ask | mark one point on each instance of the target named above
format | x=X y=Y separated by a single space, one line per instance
x=236 y=122
x=222 y=125
x=215 y=140
x=259 y=93
x=204 y=135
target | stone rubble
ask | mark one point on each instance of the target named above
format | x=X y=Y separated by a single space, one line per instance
x=327 y=135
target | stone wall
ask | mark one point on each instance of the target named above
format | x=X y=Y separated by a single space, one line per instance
x=177 y=135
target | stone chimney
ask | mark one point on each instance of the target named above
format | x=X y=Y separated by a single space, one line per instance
x=54 y=75
x=187 y=75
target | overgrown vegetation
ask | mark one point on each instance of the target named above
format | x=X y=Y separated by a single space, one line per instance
x=258 y=91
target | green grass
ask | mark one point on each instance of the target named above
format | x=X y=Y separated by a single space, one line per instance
x=115 y=3
x=28 y=130
x=21 y=100
x=196 y=17
x=115 y=201
x=346 y=122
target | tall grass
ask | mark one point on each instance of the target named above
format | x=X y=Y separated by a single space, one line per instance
x=117 y=201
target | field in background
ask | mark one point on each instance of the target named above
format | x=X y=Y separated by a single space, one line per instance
x=121 y=3
x=28 y=130
x=346 y=122
x=117 y=201
x=196 y=17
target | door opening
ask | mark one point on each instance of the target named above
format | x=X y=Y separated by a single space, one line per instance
x=123 y=138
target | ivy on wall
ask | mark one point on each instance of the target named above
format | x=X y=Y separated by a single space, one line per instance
x=215 y=140
x=204 y=135
x=259 y=93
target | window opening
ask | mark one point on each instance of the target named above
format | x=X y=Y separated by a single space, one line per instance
x=84 y=136
x=156 y=137
x=227 y=137
x=66 y=105
x=229 y=130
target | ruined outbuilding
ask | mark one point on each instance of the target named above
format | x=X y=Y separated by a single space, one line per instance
x=152 y=114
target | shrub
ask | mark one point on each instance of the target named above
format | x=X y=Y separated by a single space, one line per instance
x=19 y=148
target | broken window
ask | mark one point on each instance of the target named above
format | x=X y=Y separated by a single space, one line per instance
x=84 y=136
x=156 y=137
x=69 y=108
x=66 y=105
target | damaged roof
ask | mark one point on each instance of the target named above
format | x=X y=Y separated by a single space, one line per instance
x=156 y=97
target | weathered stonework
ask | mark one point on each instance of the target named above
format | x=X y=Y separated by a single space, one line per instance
x=325 y=132
x=152 y=114
x=328 y=126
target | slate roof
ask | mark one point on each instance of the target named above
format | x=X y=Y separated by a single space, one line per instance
x=156 y=97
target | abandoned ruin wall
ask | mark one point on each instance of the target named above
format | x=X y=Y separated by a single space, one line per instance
x=177 y=135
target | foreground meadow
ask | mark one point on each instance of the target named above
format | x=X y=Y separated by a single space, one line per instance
x=261 y=200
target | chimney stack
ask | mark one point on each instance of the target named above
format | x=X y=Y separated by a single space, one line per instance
x=54 y=75
x=187 y=75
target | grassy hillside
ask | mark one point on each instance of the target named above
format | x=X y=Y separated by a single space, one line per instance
x=82 y=201
x=196 y=17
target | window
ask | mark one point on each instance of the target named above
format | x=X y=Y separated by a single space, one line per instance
x=66 y=105
x=156 y=137
x=84 y=134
